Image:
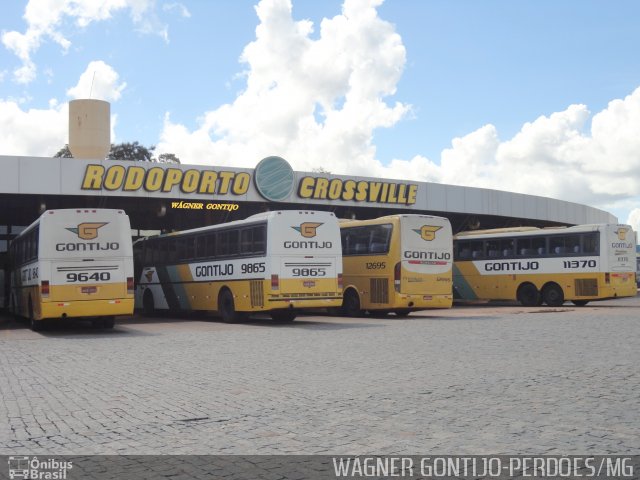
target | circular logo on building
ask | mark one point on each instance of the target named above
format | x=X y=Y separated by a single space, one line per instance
x=273 y=177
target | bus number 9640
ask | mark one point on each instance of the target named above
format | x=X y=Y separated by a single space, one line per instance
x=85 y=277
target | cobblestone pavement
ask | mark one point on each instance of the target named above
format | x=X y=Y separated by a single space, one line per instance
x=481 y=379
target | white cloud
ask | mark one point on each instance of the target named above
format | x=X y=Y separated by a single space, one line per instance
x=99 y=81
x=316 y=102
x=33 y=132
x=559 y=156
x=44 y=20
x=634 y=219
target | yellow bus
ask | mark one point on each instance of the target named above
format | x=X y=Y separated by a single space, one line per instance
x=548 y=265
x=75 y=263
x=277 y=262
x=397 y=263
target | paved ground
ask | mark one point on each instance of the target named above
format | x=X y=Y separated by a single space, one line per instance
x=472 y=380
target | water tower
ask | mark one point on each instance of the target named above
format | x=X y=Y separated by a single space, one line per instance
x=89 y=129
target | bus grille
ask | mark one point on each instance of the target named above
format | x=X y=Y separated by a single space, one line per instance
x=586 y=287
x=379 y=290
x=257 y=294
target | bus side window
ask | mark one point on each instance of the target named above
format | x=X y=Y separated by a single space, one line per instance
x=201 y=246
x=590 y=243
x=492 y=248
x=259 y=239
x=172 y=250
x=210 y=245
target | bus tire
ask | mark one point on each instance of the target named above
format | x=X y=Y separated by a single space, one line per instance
x=283 y=315
x=14 y=308
x=528 y=295
x=351 y=304
x=34 y=324
x=402 y=313
x=108 y=323
x=148 y=305
x=227 y=307
x=553 y=295
x=579 y=303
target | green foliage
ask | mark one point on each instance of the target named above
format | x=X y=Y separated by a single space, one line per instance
x=132 y=151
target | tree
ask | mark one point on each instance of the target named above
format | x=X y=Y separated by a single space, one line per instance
x=131 y=151
x=128 y=151
x=168 y=158
x=64 y=152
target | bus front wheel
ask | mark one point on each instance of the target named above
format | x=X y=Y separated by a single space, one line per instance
x=351 y=304
x=553 y=295
x=227 y=307
x=528 y=295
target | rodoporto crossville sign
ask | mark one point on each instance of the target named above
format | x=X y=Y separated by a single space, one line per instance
x=273 y=178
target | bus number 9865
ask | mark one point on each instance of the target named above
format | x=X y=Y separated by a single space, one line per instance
x=309 y=272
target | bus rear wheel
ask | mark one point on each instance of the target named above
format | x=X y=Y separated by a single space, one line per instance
x=35 y=325
x=528 y=295
x=351 y=304
x=553 y=295
x=227 y=307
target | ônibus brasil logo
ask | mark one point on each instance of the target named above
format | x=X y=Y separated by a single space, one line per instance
x=32 y=468
x=427 y=232
x=307 y=229
x=87 y=230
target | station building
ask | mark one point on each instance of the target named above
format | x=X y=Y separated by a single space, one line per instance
x=167 y=197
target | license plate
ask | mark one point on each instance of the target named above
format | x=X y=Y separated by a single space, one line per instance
x=89 y=289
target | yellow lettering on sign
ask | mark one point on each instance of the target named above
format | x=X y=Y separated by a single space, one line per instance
x=172 y=178
x=190 y=181
x=361 y=193
x=411 y=196
x=93 y=177
x=153 y=182
x=241 y=183
x=208 y=182
x=135 y=178
x=114 y=178
x=335 y=189
x=322 y=185
x=305 y=188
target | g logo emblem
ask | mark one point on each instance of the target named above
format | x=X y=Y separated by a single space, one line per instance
x=622 y=233
x=307 y=229
x=87 y=231
x=427 y=232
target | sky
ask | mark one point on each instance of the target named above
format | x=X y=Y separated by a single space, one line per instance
x=531 y=96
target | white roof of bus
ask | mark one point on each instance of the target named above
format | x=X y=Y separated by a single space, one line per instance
x=523 y=231
x=63 y=211
x=253 y=218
